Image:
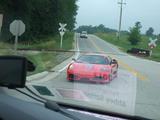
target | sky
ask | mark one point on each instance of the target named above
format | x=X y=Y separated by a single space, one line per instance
x=95 y=12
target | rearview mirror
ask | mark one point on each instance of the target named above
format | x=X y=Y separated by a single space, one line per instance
x=13 y=70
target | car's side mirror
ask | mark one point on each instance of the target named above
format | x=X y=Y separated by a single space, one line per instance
x=113 y=61
x=13 y=71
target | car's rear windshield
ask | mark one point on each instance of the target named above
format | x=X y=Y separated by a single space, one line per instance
x=84 y=32
x=93 y=59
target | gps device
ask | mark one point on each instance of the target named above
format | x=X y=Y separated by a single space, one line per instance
x=13 y=71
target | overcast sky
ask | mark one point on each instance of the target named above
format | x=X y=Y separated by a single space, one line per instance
x=95 y=12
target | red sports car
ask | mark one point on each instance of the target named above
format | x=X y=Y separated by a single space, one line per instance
x=93 y=67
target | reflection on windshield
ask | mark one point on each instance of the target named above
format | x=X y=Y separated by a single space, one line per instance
x=114 y=69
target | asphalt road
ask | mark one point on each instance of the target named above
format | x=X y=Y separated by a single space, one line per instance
x=134 y=92
x=147 y=93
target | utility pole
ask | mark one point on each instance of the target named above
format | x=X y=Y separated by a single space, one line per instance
x=120 y=18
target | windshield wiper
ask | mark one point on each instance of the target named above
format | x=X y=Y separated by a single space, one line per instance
x=55 y=107
x=48 y=104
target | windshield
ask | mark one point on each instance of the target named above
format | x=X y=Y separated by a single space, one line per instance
x=93 y=59
x=115 y=67
x=84 y=32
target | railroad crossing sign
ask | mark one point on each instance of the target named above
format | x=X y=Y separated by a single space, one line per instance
x=152 y=43
x=62 y=30
x=62 y=27
x=17 y=28
x=61 y=33
x=152 y=47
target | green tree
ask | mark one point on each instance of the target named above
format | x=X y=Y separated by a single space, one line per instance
x=150 y=32
x=135 y=34
x=41 y=17
x=138 y=25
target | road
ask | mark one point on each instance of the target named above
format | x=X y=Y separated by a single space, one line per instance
x=134 y=92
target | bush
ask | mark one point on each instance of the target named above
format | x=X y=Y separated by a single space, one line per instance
x=135 y=34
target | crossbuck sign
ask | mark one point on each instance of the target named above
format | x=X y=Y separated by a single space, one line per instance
x=152 y=43
x=62 y=30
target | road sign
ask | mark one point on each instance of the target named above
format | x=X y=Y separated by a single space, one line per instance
x=152 y=43
x=152 y=47
x=61 y=33
x=17 y=28
x=62 y=27
x=62 y=30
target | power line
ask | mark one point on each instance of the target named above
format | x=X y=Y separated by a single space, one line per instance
x=120 y=17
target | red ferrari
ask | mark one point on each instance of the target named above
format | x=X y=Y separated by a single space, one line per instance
x=94 y=68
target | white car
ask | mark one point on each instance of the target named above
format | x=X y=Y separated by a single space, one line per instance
x=84 y=34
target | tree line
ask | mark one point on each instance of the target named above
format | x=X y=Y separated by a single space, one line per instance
x=95 y=29
x=134 y=33
x=41 y=17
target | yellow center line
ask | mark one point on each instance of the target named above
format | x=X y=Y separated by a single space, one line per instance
x=122 y=64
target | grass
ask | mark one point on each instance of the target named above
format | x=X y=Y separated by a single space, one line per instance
x=44 y=61
x=124 y=45
x=51 y=42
